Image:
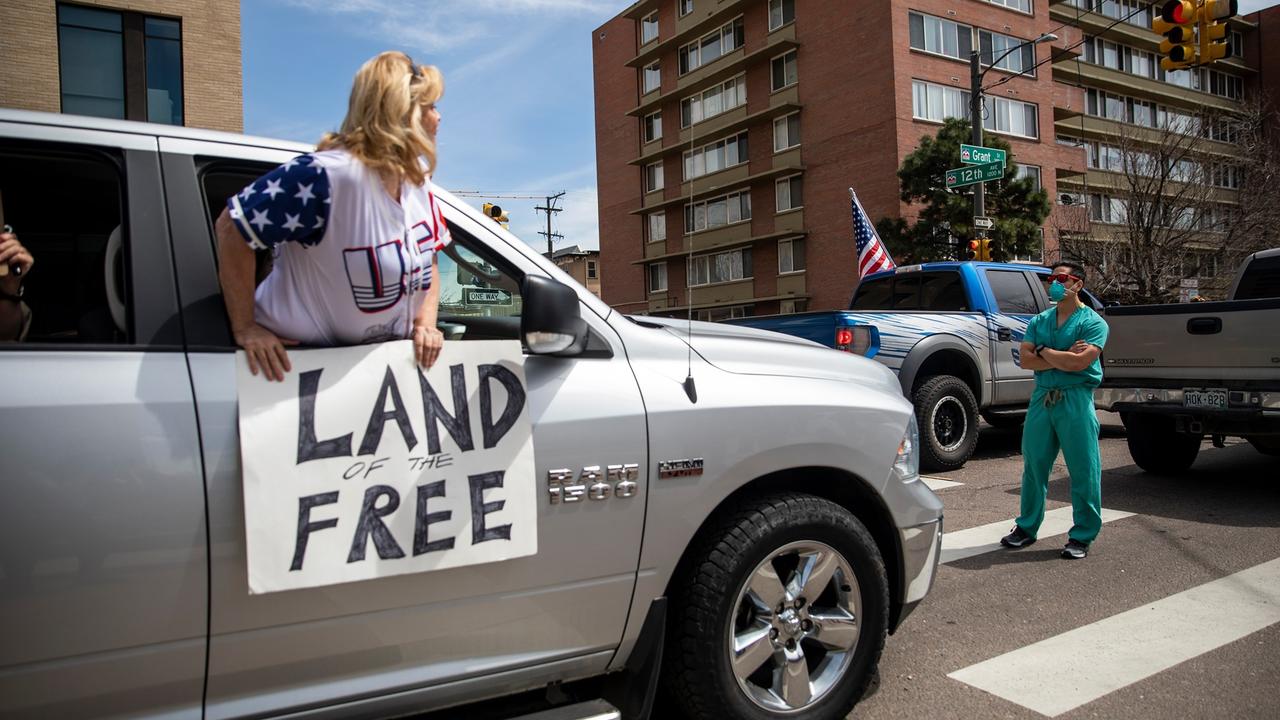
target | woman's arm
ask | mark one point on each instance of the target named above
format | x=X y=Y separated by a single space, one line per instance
x=427 y=338
x=236 y=275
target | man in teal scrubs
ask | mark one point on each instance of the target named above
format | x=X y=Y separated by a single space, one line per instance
x=1062 y=345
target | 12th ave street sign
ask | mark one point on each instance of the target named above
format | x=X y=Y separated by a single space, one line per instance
x=486 y=296
x=973 y=174
x=978 y=155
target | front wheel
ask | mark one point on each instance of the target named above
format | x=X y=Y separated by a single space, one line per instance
x=782 y=613
x=947 y=414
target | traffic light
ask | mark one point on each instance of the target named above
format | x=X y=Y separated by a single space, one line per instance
x=1177 y=22
x=1213 y=29
x=495 y=213
x=974 y=250
x=984 y=249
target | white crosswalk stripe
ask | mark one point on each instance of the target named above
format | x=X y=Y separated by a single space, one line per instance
x=1110 y=654
x=986 y=538
x=936 y=483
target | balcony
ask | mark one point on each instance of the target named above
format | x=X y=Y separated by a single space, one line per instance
x=1072 y=219
x=703 y=187
x=1069 y=45
x=695 y=24
x=1072 y=161
x=1123 y=83
x=1068 y=101
x=718 y=127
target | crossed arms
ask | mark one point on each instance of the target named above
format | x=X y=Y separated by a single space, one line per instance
x=1079 y=357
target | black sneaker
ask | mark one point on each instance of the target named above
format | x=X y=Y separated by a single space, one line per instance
x=1017 y=539
x=1075 y=550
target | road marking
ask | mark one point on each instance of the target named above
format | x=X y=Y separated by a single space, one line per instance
x=937 y=483
x=961 y=544
x=1082 y=665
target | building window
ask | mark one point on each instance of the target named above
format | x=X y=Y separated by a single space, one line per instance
x=789 y=192
x=592 y=274
x=717 y=212
x=1106 y=209
x=939 y=36
x=657 y=226
x=98 y=48
x=649 y=27
x=684 y=7
x=937 y=102
x=722 y=267
x=784 y=70
x=1236 y=41
x=791 y=307
x=1011 y=117
x=724 y=313
x=781 y=12
x=790 y=256
x=991 y=46
x=1019 y=5
x=658 y=277
x=652 y=77
x=653 y=177
x=711 y=46
x=786 y=132
x=716 y=156
x=1224 y=85
x=1028 y=171
x=653 y=127
x=713 y=101
x=1134 y=12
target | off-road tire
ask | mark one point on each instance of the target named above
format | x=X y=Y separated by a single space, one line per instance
x=697 y=674
x=1157 y=447
x=950 y=394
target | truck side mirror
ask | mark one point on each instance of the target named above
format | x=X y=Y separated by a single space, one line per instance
x=551 y=319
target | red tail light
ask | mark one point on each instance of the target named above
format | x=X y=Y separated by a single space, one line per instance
x=844 y=338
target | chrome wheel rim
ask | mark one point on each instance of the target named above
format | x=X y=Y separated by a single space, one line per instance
x=949 y=422
x=795 y=625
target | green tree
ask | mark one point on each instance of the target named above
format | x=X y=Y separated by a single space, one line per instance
x=945 y=221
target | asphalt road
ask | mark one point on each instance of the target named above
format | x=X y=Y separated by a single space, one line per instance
x=1165 y=661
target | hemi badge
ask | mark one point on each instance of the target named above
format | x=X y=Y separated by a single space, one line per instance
x=680 y=468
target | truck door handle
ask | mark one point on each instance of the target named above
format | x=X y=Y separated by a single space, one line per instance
x=1004 y=334
x=1204 y=326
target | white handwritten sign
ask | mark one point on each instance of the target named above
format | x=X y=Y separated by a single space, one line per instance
x=361 y=466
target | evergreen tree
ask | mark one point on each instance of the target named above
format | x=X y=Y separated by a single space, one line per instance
x=945 y=220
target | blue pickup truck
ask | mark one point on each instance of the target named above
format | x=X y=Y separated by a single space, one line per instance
x=951 y=331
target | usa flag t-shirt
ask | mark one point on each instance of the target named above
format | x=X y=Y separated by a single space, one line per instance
x=352 y=265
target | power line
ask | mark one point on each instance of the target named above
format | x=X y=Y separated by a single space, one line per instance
x=550 y=209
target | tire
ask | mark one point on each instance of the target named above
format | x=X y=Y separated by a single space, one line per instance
x=1003 y=420
x=1265 y=444
x=947 y=414
x=1157 y=447
x=761 y=543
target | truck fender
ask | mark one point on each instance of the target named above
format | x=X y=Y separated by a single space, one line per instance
x=976 y=371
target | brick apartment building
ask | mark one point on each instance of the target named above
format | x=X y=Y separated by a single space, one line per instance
x=731 y=129
x=168 y=61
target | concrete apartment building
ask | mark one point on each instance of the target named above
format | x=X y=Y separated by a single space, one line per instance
x=168 y=61
x=731 y=129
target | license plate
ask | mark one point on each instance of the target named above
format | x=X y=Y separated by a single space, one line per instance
x=1212 y=399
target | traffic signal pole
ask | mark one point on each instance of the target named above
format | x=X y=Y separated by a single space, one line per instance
x=975 y=123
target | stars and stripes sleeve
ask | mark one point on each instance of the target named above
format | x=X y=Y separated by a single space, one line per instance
x=288 y=203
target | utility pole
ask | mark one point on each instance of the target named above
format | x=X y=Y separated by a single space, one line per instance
x=975 y=123
x=550 y=208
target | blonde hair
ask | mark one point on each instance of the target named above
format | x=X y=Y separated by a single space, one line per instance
x=383 y=127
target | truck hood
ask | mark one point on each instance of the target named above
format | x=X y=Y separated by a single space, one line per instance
x=748 y=351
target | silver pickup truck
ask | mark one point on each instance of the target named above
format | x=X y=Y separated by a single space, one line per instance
x=1179 y=372
x=760 y=555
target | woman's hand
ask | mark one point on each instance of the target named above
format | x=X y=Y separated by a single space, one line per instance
x=427 y=341
x=264 y=350
x=17 y=261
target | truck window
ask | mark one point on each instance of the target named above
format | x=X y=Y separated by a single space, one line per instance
x=906 y=292
x=65 y=206
x=874 y=295
x=1260 y=280
x=942 y=292
x=1013 y=293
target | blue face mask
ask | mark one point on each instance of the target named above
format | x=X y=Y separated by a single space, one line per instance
x=1057 y=291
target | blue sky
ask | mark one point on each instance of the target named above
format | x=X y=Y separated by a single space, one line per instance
x=517 y=110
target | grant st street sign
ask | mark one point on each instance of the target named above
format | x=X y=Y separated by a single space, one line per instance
x=974 y=174
x=978 y=155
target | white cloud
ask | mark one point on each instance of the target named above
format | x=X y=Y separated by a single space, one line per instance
x=1253 y=6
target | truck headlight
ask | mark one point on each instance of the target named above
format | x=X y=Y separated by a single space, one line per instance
x=907 y=465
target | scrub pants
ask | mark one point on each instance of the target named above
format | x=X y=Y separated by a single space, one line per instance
x=1062 y=419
